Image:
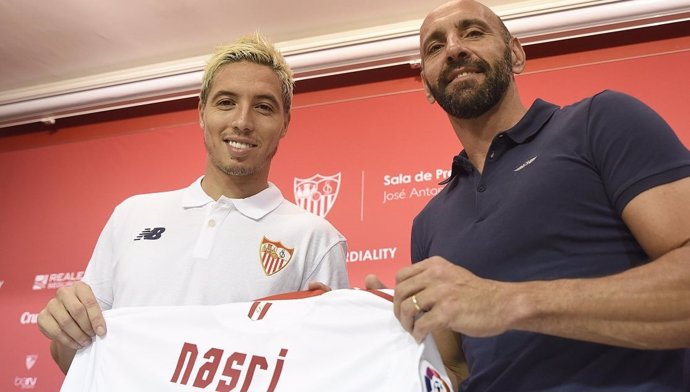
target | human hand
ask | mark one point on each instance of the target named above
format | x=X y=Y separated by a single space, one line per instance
x=436 y=294
x=318 y=286
x=72 y=317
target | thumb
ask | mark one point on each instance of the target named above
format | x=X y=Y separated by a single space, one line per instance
x=372 y=282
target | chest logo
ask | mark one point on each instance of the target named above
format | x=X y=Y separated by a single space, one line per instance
x=150 y=234
x=274 y=256
x=529 y=161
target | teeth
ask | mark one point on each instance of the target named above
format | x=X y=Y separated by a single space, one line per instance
x=238 y=144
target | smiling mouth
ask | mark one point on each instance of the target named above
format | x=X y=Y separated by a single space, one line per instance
x=462 y=74
x=239 y=145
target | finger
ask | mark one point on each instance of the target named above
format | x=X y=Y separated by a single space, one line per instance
x=50 y=328
x=410 y=271
x=408 y=314
x=372 y=282
x=424 y=324
x=67 y=328
x=318 y=286
x=96 y=322
x=405 y=290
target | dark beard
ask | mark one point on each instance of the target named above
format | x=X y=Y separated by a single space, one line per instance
x=471 y=100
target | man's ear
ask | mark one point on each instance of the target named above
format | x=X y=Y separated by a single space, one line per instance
x=518 y=56
x=285 y=125
x=429 y=97
x=200 y=109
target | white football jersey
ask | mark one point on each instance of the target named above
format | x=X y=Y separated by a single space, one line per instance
x=343 y=340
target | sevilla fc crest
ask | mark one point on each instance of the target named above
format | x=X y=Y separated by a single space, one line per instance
x=274 y=256
x=317 y=194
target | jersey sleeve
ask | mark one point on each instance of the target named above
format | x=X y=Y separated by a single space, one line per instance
x=633 y=148
x=331 y=268
x=99 y=272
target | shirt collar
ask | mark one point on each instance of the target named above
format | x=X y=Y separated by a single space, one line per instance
x=255 y=207
x=532 y=122
x=529 y=125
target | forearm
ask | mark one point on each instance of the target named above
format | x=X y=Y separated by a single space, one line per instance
x=450 y=347
x=62 y=355
x=646 y=307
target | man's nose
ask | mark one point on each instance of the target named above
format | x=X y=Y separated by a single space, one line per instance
x=243 y=119
x=456 y=48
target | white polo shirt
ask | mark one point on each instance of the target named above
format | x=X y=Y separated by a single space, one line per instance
x=340 y=341
x=184 y=248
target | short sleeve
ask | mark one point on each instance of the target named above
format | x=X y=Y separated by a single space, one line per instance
x=633 y=148
x=331 y=268
x=99 y=272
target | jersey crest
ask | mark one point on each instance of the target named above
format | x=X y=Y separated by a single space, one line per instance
x=274 y=256
x=433 y=382
x=317 y=193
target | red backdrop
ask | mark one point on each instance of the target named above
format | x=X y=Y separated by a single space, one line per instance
x=388 y=145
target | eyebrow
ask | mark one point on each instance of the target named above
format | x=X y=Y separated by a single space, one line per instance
x=467 y=23
x=461 y=25
x=267 y=97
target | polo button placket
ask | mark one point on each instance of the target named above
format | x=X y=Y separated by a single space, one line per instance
x=215 y=215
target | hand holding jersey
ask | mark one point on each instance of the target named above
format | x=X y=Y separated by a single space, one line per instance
x=266 y=345
x=450 y=297
x=447 y=341
x=72 y=318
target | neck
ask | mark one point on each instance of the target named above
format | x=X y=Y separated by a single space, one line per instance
x=216 y=184
x=476 y=134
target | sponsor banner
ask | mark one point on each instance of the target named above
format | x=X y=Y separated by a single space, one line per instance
x=56 y=280
x=28 y=318
x=25 y=383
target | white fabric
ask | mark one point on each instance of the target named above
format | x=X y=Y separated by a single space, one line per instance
x=210 y=252
x=343 y=340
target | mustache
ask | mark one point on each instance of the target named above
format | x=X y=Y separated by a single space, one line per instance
x=478 y=64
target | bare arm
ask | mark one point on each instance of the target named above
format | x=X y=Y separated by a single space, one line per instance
x=70 y=320
x=645 y=307
x=62 y=355
x=449 y=346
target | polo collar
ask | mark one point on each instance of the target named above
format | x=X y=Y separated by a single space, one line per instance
x=254 y=207
x=532 y=122
x=529 y=125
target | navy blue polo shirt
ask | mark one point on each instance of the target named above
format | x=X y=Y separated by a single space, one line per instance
x=548 y=206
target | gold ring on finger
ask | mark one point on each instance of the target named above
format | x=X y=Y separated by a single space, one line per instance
x=416 y=304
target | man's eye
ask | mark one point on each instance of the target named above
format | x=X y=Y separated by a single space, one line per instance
x=474 y=34
x=265 y=108
x=433 y=48
x=225 y=103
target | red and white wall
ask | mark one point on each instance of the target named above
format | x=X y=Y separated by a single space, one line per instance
x=373 y=130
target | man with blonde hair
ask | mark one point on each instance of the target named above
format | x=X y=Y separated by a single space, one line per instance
x=228 y=237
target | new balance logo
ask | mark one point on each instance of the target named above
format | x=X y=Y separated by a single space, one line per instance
x=150 y=234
